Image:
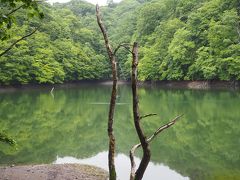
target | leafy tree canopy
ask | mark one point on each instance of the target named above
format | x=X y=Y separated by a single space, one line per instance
x=180 y=40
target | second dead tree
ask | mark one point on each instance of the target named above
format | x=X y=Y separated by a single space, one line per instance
x=144 y=141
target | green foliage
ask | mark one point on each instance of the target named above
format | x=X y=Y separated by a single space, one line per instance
x=9 y=10
x=205 y=47
x=179 y=40
x=63 y=49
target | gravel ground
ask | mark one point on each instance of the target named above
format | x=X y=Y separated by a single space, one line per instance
x=53 y=171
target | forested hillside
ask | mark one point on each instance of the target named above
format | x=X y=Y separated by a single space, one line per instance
x=179 y=40
x=66 y=47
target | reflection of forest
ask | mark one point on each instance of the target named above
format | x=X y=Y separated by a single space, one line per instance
x=203 y=145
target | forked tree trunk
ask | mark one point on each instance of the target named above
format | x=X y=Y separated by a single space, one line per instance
x=111 y=150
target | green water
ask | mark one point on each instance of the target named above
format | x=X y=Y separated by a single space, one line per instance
x=72 y=121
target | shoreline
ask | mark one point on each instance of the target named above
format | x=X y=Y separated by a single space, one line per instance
x=53 y=171
x=196 y=84
x=233 y=85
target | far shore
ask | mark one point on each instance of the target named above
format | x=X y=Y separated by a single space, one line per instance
x=214 y=84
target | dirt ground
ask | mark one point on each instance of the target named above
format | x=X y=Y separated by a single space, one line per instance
x=53 y=172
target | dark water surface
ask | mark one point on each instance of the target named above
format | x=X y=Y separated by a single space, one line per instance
x=69 y=126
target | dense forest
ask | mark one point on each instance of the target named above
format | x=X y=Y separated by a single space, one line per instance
x=179 y=40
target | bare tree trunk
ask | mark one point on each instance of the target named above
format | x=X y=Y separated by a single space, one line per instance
x=111 y=151
x=143 y=140
x=238 y=23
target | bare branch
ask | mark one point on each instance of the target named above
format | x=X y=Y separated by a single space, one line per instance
x=160 y=129
x=104 y=32
x=16 y=9
x=17 y=41
x=124 y=45
x=148 y=115
x=149 y=140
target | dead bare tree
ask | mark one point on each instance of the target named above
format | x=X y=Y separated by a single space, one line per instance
x=145 y=145
x=112 y=57
x=144 y=142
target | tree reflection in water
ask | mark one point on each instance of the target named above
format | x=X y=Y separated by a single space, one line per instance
x=204 y=146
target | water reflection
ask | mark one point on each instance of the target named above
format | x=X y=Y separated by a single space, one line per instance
x=154 y=171
x=204 y=145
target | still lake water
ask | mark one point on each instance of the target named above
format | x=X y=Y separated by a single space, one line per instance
x=69 y=126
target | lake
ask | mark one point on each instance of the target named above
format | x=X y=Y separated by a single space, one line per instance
x=69 y=126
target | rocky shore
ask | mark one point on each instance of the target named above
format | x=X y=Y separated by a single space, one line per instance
x=53 y=172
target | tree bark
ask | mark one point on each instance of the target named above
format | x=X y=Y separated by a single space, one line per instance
x=111 y=151
x=145 y=145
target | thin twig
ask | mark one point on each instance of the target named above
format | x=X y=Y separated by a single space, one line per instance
x=160 y=129
x=14 y=10
x=124 y=45
x=17 y=41
x=148 y=115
